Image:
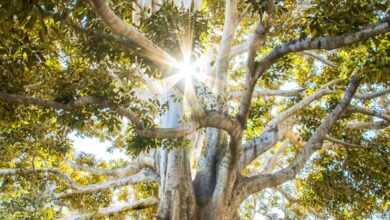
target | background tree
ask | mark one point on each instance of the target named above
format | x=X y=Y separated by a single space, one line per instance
x=226 y=109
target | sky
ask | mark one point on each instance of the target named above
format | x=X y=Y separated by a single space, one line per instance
x=97 y=148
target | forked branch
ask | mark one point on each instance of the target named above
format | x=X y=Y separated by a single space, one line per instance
x=256 y=183
x=327 y=43
x=271 y=134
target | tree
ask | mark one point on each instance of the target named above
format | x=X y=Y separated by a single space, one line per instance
x=214 y=102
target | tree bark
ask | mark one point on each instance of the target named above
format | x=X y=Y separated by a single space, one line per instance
x=177 y=200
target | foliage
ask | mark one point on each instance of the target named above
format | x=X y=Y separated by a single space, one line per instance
x=60 y=51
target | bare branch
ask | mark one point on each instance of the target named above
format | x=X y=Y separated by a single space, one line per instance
x=218 y=120
x=118 y=26
x=271 y=135
x=134 y=167
x=373 y=95
x=324 y=90
x=327 y=43
x=144 y=176
x=260 y=144
x=256 y=183
x=343 y=143
x=369 y=112
x=319 y=58
x=256 y=41
x=270 y=92
x=211 y=119
x=117 y=208
x=281 y=92
x=222 y=60
x=368 y=125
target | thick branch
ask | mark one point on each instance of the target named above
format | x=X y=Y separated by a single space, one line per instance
x=211 y=119
x=118 y=26
x=145 y=176
x=256 y=183
x=121 y=207
x=221 y=121
x=270 y=136
x=101 y=102
x=222 y=60
x=327 y=43
x=255 y=41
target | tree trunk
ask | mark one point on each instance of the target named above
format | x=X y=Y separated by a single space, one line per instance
x=180 y=197
x=177 y=200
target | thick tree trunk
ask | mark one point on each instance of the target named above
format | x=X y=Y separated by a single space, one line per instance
x=177 y=200
x=180 y=197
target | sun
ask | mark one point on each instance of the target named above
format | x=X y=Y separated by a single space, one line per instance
x=187 y=70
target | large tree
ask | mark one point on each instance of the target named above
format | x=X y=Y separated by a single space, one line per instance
x=214 y=102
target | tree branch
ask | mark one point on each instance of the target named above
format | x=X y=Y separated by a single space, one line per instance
x=271 y=163
x=327 y=43
x=53 y=171
x=319 y=58
x=343 y=143
x=218 y=120
x=144 y=176
x=255 y=41
x=269 y=92
x=222 y=60
x=324 y=90
x=153 y=52
x=368 y=125
x=131 y=169
x=210 y=119
x=254 y=44
x=256 y=183
x=373 y=95
x=121 y=207
x=369 y=112
x=271 y=135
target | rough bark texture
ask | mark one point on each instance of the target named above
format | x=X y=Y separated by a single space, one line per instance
x=177 y=200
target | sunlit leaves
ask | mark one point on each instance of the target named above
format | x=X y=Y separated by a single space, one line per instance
x=349 y=183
